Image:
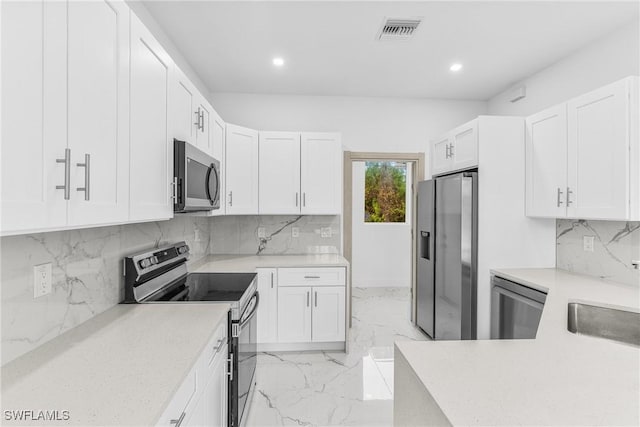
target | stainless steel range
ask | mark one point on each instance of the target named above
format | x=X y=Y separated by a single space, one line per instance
x=161 y=276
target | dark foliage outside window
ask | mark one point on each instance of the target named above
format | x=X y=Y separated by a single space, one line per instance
x=385 y=186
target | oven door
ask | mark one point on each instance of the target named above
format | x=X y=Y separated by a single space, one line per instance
x=245 y=353
x=198 y=179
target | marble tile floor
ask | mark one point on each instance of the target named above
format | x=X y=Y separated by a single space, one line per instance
x=334 y=388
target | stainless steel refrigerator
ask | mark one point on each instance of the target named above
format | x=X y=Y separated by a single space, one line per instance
x=448 y=256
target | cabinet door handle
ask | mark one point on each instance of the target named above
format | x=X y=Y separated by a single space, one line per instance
x=230 y=198
x=219 y=346
x=569 y=193
x=297 y=199
x=201 y=119
x=451 y=150
x=559 y=199
x=272 y=280
x=316 y=299
x=308 y=293
x=311 y=277
x=179 y=421
x=67 y=174
x=446 y=156
x=87 y=175
x=304 y=200
x=197 y=122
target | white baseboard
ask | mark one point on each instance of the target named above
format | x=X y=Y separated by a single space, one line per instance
x=304 y=346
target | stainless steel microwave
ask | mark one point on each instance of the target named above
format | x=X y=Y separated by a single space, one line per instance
x=196 y=179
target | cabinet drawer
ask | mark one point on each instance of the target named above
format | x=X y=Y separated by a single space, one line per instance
x=323 y=276
x=216 y=349
x=180 y=401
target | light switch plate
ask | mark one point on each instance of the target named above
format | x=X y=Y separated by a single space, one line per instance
x=588 y=243
x=41 y=280
x=262 y=232
x=295 y=232
x=325 y=232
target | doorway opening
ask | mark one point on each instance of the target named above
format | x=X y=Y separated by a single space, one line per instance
x=380 y=219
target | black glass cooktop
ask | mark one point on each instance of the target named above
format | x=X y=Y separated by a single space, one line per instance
x=222 y=287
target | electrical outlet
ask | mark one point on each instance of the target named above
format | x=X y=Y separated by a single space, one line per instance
x=325 y=232
x=196 y=235
x=295 y=232
x=41 y=280
x=262 y=232
x=588 y=243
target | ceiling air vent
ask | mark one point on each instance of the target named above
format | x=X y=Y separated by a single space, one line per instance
x=398 y=29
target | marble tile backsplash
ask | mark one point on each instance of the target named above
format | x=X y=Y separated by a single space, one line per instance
x=616 y=244
x=239 y=234
x=87 y=275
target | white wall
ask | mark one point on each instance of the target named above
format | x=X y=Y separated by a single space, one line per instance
x=367 y=124
x=149 y=21
x=608 y=59
x=381 y=253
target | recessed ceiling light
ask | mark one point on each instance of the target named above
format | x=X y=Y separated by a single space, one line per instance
x=278 y=62
x=455 y=67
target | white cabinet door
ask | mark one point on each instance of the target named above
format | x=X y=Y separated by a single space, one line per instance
x=183 y=107
x=464 y=146
x=34 y=120
x=546 y=163
x=218 y=136
x=598 y=147
x=328 y=318
x=279 y=173
x=241 y=168
x=294 y=314
x=98 y=113
x=268 y=306
x=211 y=406
x=440 y=158
x=321 y=173
x=151 y=146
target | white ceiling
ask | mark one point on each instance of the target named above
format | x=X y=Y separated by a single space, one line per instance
x=330 y=47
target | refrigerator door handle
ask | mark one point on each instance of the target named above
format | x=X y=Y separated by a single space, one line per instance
x=468 y=248
x=425 y=245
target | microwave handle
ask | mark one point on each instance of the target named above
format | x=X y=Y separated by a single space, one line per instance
x=212 y=169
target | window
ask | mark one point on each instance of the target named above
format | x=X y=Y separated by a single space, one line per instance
x=385 y=185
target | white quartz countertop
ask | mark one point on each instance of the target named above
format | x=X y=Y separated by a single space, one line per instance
x=559 y=378
x=248 y=263
x=121 y=367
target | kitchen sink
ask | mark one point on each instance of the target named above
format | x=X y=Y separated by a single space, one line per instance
x=604 y=322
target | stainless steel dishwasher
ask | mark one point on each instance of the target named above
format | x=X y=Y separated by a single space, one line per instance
x=515 y=309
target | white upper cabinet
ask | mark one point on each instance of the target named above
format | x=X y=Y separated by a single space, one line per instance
x=34 y=120
x=241 y=170
x=546 y=160
x=184 y=117
x=440 y=158
x=151 y=146
x=279 y=173
x=464 y=146
x=599 y=144
x=583 y=157
x=456 y=150
x=98 y=113
x=321 y=173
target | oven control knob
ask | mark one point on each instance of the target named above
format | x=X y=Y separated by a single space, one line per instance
x=153 y=260
x=145 y=263
x=183 y=249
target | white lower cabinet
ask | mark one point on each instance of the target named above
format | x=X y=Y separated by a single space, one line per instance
x=311 y=305
x=202 y=398
x=328 y=314
x=294 y=314
x=268 y=306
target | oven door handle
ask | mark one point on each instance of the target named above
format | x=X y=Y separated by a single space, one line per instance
x=246 y=317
